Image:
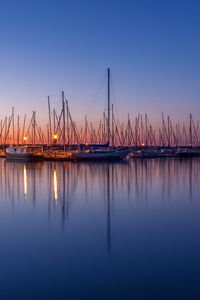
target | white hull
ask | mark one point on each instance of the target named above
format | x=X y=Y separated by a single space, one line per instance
x=27 y=153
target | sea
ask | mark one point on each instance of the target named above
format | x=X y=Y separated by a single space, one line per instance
x=100 y=230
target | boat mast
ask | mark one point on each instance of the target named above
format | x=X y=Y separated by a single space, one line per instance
x=13 y=124
x=63 y=104
x=108 y=129
x=33 y=128
x=86 y=131
x=68 y=138
x=23 y=129
x=18 y=130
x=112 y=124
x=190 y=132
x=50 y=131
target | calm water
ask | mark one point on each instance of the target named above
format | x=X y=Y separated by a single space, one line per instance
x=100 y=230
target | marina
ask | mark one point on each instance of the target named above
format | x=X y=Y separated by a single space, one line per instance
x=111 y=140
x=100 y=150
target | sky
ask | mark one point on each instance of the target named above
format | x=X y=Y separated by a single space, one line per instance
x=151 y=47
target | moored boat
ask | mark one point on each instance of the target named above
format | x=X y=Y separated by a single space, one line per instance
x=57 y=155
x=2 y=152
x=188 y=151
x=107 y=154
x=25 y=152
x=154 y=152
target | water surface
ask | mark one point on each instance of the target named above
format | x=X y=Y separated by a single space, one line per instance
x=100 y=230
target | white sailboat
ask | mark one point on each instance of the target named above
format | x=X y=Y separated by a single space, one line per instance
x=106 y=153
x=24 y=152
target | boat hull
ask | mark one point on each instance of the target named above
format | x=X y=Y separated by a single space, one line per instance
x=24 y=157
x=110 y=155
x=58 y=156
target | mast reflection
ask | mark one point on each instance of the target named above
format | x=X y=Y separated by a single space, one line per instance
x=108 y=210
x=55 y=187
x=66 y=188
x=25 y=182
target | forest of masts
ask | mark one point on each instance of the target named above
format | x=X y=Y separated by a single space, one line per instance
x=62 y=129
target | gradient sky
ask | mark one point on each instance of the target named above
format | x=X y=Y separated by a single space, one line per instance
x=152 y=48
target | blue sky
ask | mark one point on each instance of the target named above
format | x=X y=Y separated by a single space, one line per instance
x=152 y=48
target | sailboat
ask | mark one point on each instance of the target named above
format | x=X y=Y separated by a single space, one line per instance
x=58 y=154
x=102 y=153
x=25 y=152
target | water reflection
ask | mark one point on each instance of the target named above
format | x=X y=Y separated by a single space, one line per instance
x=139 y=182
x=133 y=224
x=25 y=183
x=55 y=186
x=108 y=199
